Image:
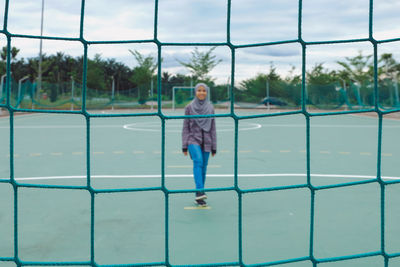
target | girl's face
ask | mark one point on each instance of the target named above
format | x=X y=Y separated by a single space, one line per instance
x=201 y=93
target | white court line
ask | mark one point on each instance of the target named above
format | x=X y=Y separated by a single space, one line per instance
x=149 y=127
x=255 y=126
x=191 y=166
x=197 y=208
x=325 y=152
x=328 y=126
x=209 y=175
x=19 y=117
x=369 y=117
x=61 y=126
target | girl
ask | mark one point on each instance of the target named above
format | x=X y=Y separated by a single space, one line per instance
x=199 y=136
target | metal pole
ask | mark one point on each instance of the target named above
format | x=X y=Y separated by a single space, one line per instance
x=72 y=92
x=40 y=52
x=2 y=82
x=20 y=85
x=1 y=88
x=345 y=93
x=358 y=85
x=151 y=93
x=227 y=87
x=191 y=86
x=112 y=93
x=267 y=88
x=173 y=98
x=396 y=92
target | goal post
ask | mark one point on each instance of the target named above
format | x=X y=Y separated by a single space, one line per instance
x=184 y=88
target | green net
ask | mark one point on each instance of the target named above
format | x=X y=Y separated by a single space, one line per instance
x=67 y=96
x=181 y=96
x=25 y=98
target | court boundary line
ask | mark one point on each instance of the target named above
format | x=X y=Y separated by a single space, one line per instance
x=140 y=127
x=258 y=126
x=209 y=175
x=297 y=125
x=71 y=126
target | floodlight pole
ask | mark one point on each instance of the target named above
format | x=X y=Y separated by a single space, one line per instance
x=40 y=52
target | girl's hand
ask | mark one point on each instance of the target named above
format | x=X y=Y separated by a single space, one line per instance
x=213 y=154
x=185 y=153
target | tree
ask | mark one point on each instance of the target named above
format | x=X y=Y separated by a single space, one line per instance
x=256 y=88
x=389 y=68
x=388 y=73
x=95 y=73
x=201 y=63
x=14 y=52
x=360 y=70
x=143 y=73
x=321 y=86
x=320 y=75
x=293 y=78
x=359 y=67
x=166 y=87
x=3 y=55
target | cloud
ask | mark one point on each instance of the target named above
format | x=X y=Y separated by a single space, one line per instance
x=119 y=20
x=339 y=19
x=252 y=21
x=25 y=18
x=276 y=51
x=386 y=19
x=192 y=21
x=263 y=21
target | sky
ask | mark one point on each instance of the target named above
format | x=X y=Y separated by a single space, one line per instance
x=205 y=21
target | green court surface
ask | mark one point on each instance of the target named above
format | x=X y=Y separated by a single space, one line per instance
x=130 y=227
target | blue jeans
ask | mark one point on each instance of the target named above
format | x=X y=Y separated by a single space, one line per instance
x=200 y=161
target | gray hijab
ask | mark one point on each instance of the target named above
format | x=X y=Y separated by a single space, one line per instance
x=202 y=107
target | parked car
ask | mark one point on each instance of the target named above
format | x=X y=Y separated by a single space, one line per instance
x=273 y=101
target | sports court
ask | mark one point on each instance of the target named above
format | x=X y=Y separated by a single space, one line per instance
x=307 y=104
x=130 y=208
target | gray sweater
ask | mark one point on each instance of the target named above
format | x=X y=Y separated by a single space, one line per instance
x=193 y=134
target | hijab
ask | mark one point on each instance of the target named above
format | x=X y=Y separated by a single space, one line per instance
x=202 y=107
